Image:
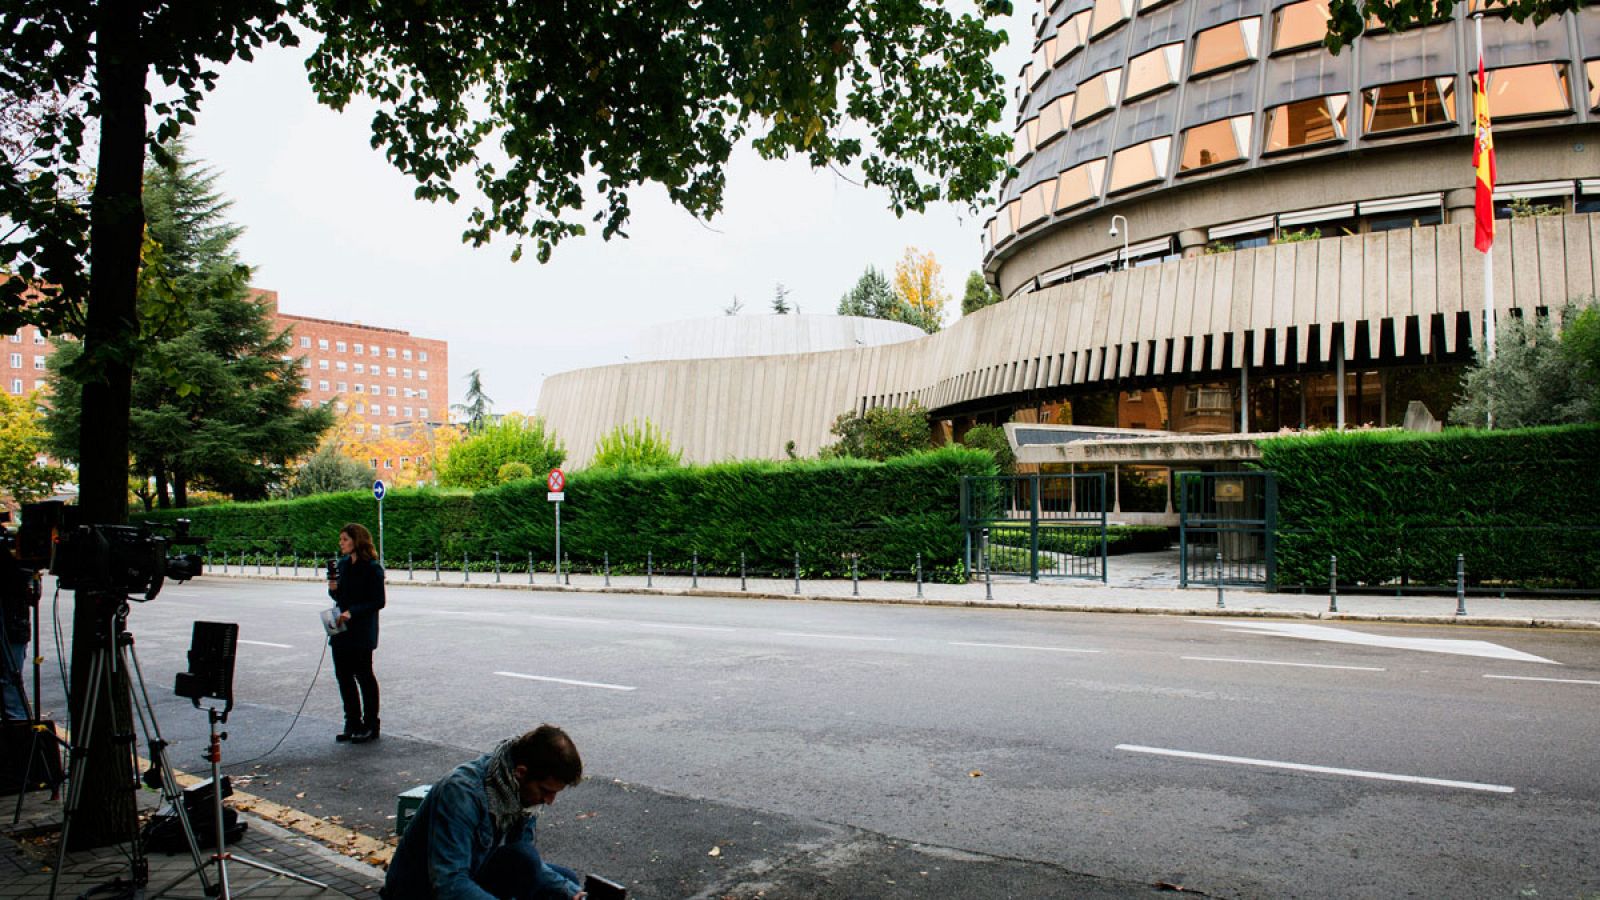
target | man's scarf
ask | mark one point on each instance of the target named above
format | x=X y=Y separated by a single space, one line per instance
x=503 y=792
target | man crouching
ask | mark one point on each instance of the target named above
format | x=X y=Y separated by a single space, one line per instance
x=473 y=836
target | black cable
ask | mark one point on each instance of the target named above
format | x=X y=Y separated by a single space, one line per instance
x=314 y=676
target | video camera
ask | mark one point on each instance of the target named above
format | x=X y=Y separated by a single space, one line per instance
x=125 y=559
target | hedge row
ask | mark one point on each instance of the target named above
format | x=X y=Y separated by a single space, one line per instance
x=1522 y=506
x=1120 y=539
x=886 y=513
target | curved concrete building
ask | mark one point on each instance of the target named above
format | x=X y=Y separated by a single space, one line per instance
x=766 y=335
x=1294 y=243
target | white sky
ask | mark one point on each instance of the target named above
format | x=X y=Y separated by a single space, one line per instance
x=334 y=229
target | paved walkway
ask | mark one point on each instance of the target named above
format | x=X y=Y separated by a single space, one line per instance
x=1137 y=583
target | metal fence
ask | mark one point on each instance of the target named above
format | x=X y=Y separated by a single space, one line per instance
x=1035 y=525
x=1227 y=528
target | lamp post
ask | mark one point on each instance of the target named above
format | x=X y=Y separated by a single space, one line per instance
x=1123 y=256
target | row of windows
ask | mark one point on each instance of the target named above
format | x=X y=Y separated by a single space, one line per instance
x=16 y=386
x=410 y=413
x=377 y=390
x=375 y=369
x=16 y=338
x=1399 y=107
x=364 y=349
x=16 y=361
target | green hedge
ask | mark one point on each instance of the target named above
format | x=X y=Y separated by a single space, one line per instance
x=1522 y=505
x=885 y=512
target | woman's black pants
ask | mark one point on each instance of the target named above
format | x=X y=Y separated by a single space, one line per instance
x=358 y=687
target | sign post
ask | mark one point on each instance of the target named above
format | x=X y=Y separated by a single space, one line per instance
x=556 y=481
x=378 y=490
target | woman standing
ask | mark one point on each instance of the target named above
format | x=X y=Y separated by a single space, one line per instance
x=357 y=589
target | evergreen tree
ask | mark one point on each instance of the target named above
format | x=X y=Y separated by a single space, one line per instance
x=978 y=295
x=873 y=298
x=476 y=409
x=1537 y=377
x=780 y=300
x=214 y=402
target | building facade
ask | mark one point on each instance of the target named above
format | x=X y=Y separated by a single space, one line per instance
x=1292 y=249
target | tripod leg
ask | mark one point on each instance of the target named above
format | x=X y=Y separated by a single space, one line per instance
x=79 y=755
x=170 y=791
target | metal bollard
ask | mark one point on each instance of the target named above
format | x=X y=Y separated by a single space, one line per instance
x=649 y=568
x=741 y=570
x=497 y=567
x=1219 y=581
x=855 y=578
x=988 y=579
x=797 y=571
x=1461 y=584
x=411 y=567
x=919 y=575
x=530 y=567
x=275 y=560
x=568 y=575
x=608 y=568
x=1333 y=583
x=466 y=568
x=694 y=576
x=436 y=571
x=258 y=563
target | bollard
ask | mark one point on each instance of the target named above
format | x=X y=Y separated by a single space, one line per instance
x=741 y=570
x=694 y=576
x=1219 y=581
x=530 y=567
x=649 y=568
x=411 y=567
x=294 y=562
x=497 y=567
x=568 y=575
x=1461 y=584
x=797 y=571
x=275 y=560
x=608 y=568
x=919 y=574
x=466 y=568
x=436 y=570
x=855 y=578
x=1333 y=583
x=988 y=579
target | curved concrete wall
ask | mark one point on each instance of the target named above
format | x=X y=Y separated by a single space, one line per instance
x=766 y=335
x=1145 y=325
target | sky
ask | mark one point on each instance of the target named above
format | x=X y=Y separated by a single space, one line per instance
x=333 y=228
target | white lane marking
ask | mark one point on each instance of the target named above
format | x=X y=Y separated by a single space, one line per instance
x=1534 y=678
x=1346 y=636
x=1020 y=647
x=836 y=637
x=462 y=612
x=684 y=627
x=1324 y=770
x=593 y=684
x=304 y=603
x=1269 y=662
x=266 y=644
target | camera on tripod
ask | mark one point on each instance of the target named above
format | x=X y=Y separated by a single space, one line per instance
x=133 y=560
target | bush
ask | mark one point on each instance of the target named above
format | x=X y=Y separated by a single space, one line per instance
x=993 y=439
x=514 y=471
x=886 y=512
x=635 y=446
x=476 y=461
x=881 y=433
x=1086 y=541
x=329 y=472
x=1521 y=505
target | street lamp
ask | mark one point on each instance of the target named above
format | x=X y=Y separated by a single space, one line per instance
x=1123 y=257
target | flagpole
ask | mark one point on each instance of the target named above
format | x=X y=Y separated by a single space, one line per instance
x=1488 y=255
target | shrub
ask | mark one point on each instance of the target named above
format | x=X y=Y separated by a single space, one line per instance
x=328 y=472
x=881 y=433
x=993 y=439
x=476 y=461
x=514 y=471
x=636 y=446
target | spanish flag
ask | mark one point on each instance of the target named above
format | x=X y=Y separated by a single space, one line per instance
x=1483 y=161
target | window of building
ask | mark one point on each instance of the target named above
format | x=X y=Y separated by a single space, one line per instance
x=388 y=464
x=360 y=407
x=1080 y=184
x=341 y=365
x=1215 y=143
x=16 y=385
x=1537 y=90
x=305 y=384
x=322 y=385
x=16 y=360
x=1140 y=164
x=340 y=406
x=422 y=374
x=38 y=338
x=1035 y=205
x=1394 y=221
x=361 y=369
x=1108 y=14
x=1226 y=45
x=405 y=354
x=392 y=391
x=408 y=412
x=305 y=343
x=1305 y=123
x=1404 y=105
x=38 y=362
x=1299 y=25
x=38 y=386
x=405 y=373
x=322 y=343
x=360 y=429
x=373 y=462
x=390 y=371
x=376 y=391
x=422 y=413
x=423 y=393
x=1208 y=398
x=344 y=386
x=16 y=338
x=1096 y=96
x=1152 y=71
x=1592 y=69
x=322 y=364
x=361 y=388
x=422 y=356
x=340 y=346
x=358 y=349
x=1053 y=119
x=372 y=349
x=391 y=353
x=305 y=404
x=392 y=412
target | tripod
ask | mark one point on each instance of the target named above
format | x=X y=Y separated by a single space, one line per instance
x=115 y=647
x=37 y=733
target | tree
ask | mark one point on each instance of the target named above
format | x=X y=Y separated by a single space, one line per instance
x=880 y=433
x=780 y=300
x=871 y=297
x=329 y=471
x=476 y=461
x=1347 y=19
x=993 y=439
x=476 y=409
x=977 y=295
x=732 y=309
x=918 y=284
x=635 y=446
x=1536 y=378
x=215 y=402
x=611 y=96
x=23 y=477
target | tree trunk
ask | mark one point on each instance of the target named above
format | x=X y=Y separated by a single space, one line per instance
x=163 y=499
x=116 y=228
x=180 y=489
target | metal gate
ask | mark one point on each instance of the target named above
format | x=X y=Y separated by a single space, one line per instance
x=1227 y=522
x=1035 y=525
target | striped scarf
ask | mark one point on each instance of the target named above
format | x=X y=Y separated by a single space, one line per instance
x=504 y=793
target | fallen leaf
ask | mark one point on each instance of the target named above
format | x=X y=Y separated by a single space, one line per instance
x=715 y=851
x=300 y=796
x=974 y=774
x=587 y=815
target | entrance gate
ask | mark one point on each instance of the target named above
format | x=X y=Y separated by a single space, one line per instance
x=1035 y=525
x=1227 y=522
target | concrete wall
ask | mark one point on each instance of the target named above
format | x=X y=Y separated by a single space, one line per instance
x=764 y=334
x=1090 y=333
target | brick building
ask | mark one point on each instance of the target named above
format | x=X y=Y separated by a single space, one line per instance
x=22 y=363
x=390 y=378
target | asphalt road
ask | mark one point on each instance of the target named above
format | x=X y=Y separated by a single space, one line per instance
x=743 y=748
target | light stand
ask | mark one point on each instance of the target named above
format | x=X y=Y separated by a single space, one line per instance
x=117 y=648
x=38 y=732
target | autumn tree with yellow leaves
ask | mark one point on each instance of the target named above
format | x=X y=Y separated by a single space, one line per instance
x=919 y=284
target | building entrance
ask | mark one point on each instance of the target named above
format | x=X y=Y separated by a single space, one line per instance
x=1051 y=526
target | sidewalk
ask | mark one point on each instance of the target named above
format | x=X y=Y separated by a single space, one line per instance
x=28 y=851
x=1137 y=583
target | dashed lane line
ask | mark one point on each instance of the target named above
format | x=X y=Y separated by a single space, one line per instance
x=572 y=681
x=266 y=644
x=1021 y=647
x=1536 y=678
x=1321 y=770
x=1273 y=662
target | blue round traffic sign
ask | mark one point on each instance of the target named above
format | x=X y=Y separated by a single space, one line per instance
x=378 y=490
